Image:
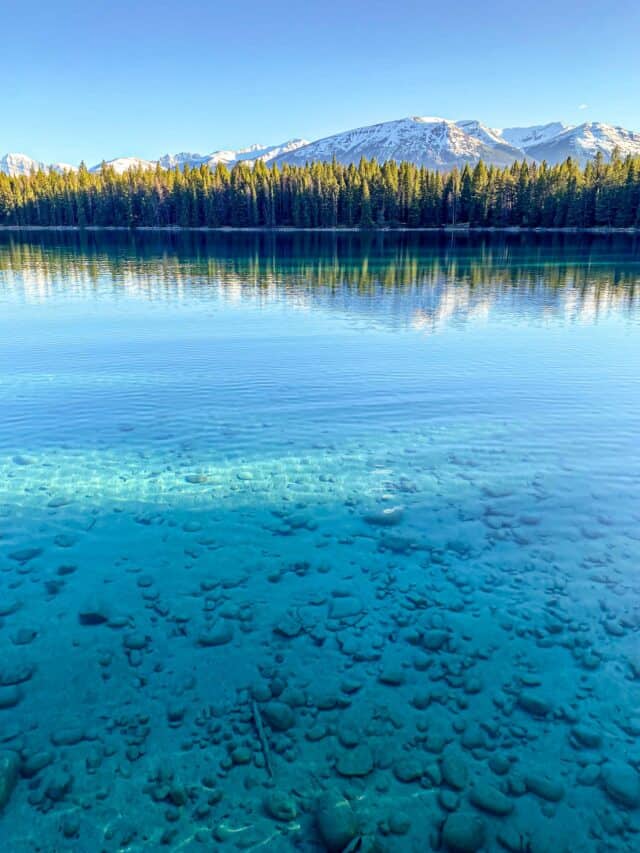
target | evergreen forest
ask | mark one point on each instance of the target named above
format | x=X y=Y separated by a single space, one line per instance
x=331 y=195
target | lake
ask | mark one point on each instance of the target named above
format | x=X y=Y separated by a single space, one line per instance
x=319 y=542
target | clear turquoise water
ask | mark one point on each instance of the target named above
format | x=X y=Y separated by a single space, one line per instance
x=200 y=438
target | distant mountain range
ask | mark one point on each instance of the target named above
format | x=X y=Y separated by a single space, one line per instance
x=437 y=143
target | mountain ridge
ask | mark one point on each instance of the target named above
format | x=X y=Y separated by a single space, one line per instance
x=431 y=141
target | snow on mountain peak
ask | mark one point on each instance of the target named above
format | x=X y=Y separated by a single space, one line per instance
x=431 y=141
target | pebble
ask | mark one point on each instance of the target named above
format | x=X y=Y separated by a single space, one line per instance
x=278 y=715
x=355 y=762
x=586 y=736
x=345 y=607
x=463 y=833
x=33 y=764
x=280 y=806
x=489 y=799
x=9 y=605
x=622 y=783
x=24 y=555
x=399 y=823
x=454 y=770
x=544 y=787
x=67 y=737
x=9 y=696
x=220 y=633
x=336 y=821
x=408 y=769
x=533 y=704
x=388 y=517
x=9 y=765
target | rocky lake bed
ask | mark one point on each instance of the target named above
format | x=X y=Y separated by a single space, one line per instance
x=302 y=618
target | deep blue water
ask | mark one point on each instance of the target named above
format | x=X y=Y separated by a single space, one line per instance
x=293 y=514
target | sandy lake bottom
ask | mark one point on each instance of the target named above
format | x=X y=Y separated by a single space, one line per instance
x=319 y=547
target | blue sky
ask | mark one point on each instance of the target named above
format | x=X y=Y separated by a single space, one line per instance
x=101 y=79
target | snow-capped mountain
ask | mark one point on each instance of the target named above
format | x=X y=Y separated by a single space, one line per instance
x=187 y=158
x=437 y=143
x=525 y=137
x=583 y=142
x=441 y=144
x=124 y=164
x=21 y=164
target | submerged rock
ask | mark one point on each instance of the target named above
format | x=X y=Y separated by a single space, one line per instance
x=622 y=783
x=280 y=806
x=387 y=517
x=23 y=555
x=489 y=799
x=454 y=769
x=278 y=715
x=336 y=821
x=9 y=696
x=219 y=634
x=463 y=833
x=355 y=762
x=544 y=787
x=9 y=766
x=533 y=704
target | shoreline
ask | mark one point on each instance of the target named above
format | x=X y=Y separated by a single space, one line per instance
x=286 y=229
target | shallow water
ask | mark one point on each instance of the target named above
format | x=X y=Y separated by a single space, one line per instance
x=289 y=514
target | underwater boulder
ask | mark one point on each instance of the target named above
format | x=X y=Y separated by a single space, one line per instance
x=9 y=766
x=336 y=821
x=387 y=517
x=463 y=833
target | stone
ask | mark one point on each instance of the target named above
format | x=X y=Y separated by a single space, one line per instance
x=533 y=704
x=278 y=715
x=586 y=736
x=349 y=734
x=345 y=607
x=499 y=764
x=489 y=799
x=220 y=633
x=15 y=674
x=9 y=696
x=392 y=676
x=355 y=762
x=280 y=806
x=448 y=800
x=24 y=636
x=289 y=625
x=435 y=639
x=33 y=764
x=135 y=642
x=9 y=606
x=67 y=737
x=93 y=613
x=387 y=517
x=241 y=755
x=65 y=540
x=621 y=783
x=399 y=823
x=9 y=766
x=589 y=775
x=463 y=833
x=544 y=787
x=336 y=821
x=23 y=555
x=408 y=769
x=454 y=769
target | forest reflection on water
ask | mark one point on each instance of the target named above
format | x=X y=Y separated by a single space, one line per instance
x=427 y=277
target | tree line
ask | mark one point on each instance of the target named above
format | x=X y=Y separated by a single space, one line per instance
x=331 y=195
